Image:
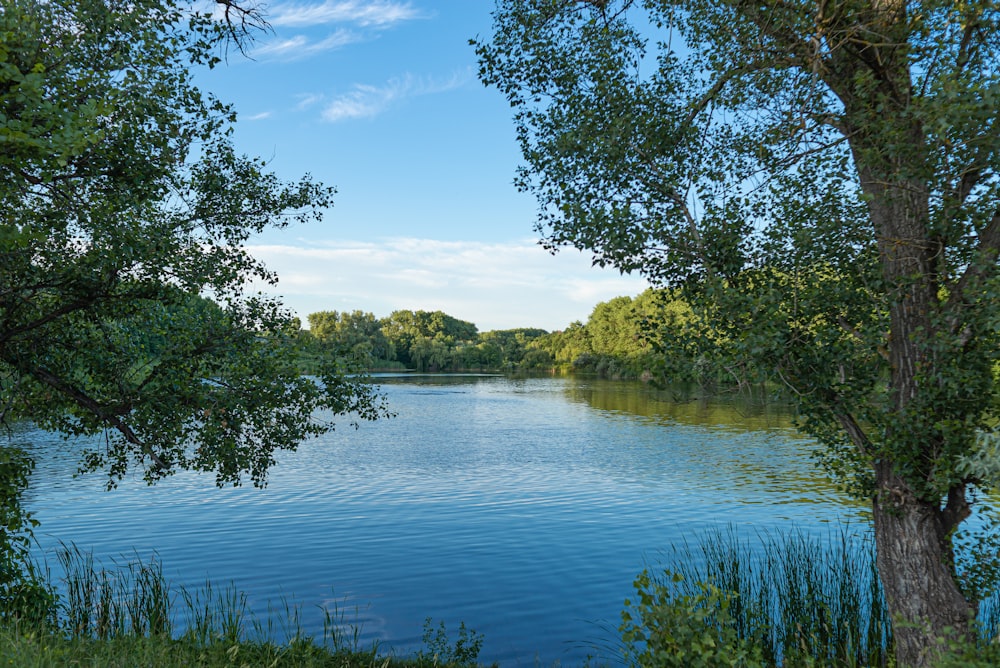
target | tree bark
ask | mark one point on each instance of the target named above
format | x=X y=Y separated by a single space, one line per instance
x=912 y=531
x=868 y=67
x=914 y=564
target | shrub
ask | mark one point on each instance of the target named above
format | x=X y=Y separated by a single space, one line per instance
x=665 y=628
x=24 y=592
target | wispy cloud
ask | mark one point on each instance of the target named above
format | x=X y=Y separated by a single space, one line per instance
x=257 y=117
x=495 y=285
x=378 y=13
x=306 y=100
x=301 y=46
x=366 y=100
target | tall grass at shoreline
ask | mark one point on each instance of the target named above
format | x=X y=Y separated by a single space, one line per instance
x=128 y=614
x=728 y=599
x=805 y=600
x=774 y=599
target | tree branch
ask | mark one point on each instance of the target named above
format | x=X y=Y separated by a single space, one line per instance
x=982 y=267
x=787 y=40
x=716 y=88
x=854 y=432
x=242 y=19
x=956 y=509
x=972 y=174
x=965 y=47
x=105 y=414
x=66 y=309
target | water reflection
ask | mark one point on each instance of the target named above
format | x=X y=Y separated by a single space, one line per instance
x=745 y=445
x=665 y=406
x=523 y=507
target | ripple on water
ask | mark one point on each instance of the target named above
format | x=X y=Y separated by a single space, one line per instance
x=523 y=508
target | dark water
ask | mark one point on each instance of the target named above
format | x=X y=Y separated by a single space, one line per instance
x=524 y=508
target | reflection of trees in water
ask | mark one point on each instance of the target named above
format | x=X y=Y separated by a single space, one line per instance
x=671 y=406
x=747 y=447
x=434 y=379
x=619 y=431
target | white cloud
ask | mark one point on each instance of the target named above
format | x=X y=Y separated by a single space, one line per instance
x=307 y=100
x=378 y=13
x=301 y=46
x=362 y=102
x=495 y=285
x=365 y=100
x=257 y=117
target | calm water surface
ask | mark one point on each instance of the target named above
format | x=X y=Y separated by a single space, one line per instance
x=524 y=508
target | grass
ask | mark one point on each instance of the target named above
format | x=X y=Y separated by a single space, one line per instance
x=127 y=614
x=731 y=600
x=774 y=599
x=41 y=649
x=806 y=601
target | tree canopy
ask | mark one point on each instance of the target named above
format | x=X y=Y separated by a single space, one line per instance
x=123 y=308
x=820 y=178
x=419 y=340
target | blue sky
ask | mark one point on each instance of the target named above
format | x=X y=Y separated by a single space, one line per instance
x=380 y=98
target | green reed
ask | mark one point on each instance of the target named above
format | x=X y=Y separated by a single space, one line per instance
x=105 y=602
x=769 y=599
x=215 y=615
x=797 y=600
x=127 y=614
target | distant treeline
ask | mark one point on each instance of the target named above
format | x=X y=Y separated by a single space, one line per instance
x=619 y=340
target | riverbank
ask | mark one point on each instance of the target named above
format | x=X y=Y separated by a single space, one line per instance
x=32 y=649
x=734 y=601
x=128 y=614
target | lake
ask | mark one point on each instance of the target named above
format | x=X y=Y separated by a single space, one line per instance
x=523 y=507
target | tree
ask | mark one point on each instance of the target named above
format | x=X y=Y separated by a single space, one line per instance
x=431 y=354
x=567 y=345
x=506 y=347
x=820 y=179
x=404 y=330
x=357 y=333
x=125 y=207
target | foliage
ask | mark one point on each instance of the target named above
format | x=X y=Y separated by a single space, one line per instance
x=420 y=340
x=784 y=599
x=654 y=335
x=982 y=654
x=505 y=348
x=820 y=181
x=127 y=614
x=24 y=594
x=424 y=339
x=686 y=630
x=977 y=556
x=125 y=208
x=130 y=599
x=356 y=334
x=624 y=338
x=441 y=652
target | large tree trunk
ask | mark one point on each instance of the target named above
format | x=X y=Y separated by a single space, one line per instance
x=912 y=531
x=914 y=563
